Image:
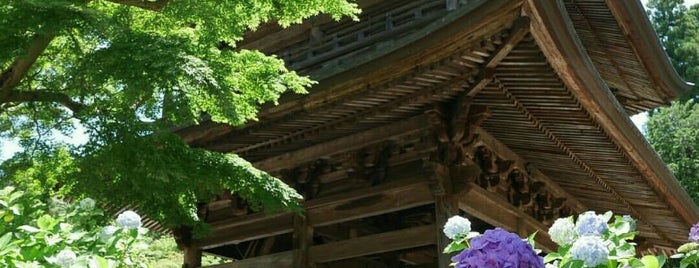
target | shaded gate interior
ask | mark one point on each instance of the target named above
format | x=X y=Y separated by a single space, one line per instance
x=427 y=109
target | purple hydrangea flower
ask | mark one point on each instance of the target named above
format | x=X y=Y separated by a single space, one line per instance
x=694 y=233
x=498 y=248
x=590 y=223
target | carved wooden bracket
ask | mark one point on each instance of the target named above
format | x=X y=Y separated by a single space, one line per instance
x=454 y=135
x=519 y=187
x=370 y=165
x=305 y=178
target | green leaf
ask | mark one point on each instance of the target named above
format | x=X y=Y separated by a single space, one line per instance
x=5 y=240
x=99 y=261
x=454 y=247
x=650 y=261
x=574 y=264
x=29 y=229
x=552 y=257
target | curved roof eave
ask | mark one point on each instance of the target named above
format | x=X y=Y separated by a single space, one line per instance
x=632 y=18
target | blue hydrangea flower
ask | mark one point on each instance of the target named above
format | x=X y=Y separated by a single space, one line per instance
x=694 y=233
x=456 y=226
x=107 y=233
x=498 y=248
x=591 y=250
x=65 y=258
x=590 y=223
x=563 y=231
x=129 y=220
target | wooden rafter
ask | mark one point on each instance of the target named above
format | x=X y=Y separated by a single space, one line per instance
x=553 y=31
x=324 y=211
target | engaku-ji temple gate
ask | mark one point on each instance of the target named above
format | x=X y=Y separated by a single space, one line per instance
x=512 y=113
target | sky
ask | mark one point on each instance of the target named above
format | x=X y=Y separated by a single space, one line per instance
x=9 y=147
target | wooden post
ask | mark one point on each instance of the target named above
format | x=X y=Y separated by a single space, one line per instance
x=192 y=256
x=302 y=240
x=446 y=205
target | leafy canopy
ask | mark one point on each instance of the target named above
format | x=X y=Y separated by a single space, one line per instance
x=672 y=131
x=128 y=72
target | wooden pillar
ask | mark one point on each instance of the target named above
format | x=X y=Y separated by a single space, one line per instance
x=302 y=241
x=446 y=205
x=192 y=256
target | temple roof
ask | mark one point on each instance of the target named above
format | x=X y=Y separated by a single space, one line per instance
x=560 y=78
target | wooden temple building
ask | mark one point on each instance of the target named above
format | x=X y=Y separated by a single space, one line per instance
x=510 y=112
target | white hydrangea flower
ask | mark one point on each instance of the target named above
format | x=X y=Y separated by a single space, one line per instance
x=107 y=233
x=129 y=220
x=87 y=204
x=65 y=258
x=563 y=231
x=456 y=226
x=591 y=250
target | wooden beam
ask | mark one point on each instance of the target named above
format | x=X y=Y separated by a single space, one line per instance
x=248 y=228
x=369 y=202
x=347 y=249
x=277 y=260
x=374 y=244
x=342 y=145
x=496 y=211
x=556 y=36
x=324 y=211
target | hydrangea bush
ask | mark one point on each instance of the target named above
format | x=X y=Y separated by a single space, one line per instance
x=61 y=234
x=688 y=253
x=588 y=240
x=597 y=240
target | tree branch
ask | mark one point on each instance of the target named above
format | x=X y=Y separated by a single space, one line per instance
x=153 y=5
x=43 y=96
x=10 y=77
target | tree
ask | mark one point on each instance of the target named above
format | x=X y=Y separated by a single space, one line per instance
x=674 y=134
x=672 y=131
x=128 y=71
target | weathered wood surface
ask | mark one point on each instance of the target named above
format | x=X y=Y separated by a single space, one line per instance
x=361 y=246
x=345 y=207
x=552 y=115
x=490 y=17
x=563 y=49
x=496 y=211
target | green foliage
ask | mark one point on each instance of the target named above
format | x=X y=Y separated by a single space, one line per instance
x=672 y=131
x=678 y=29
x=128 y=76
x=674 y=134
x=58 y=234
